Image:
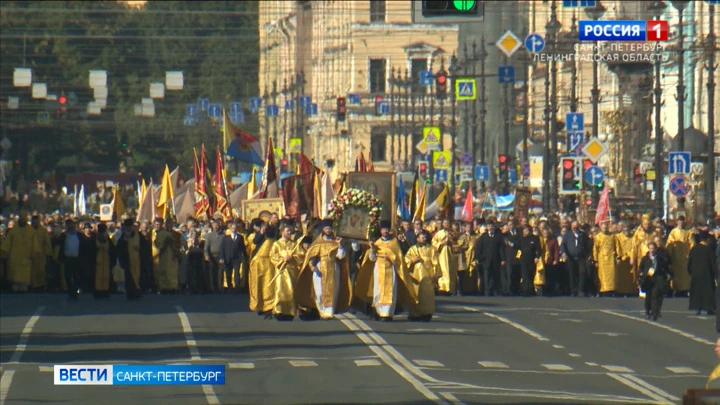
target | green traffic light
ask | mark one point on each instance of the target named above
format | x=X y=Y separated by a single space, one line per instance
x=463 y=5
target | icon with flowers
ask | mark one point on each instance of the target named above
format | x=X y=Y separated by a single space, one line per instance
x=356 y=197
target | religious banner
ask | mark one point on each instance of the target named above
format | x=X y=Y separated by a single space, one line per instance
x=523 y=197
x=263 y=208
x=382 y=186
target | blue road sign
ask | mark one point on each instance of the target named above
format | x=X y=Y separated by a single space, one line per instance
x=574 y=122
x=305 y=101
x=534 y=43
x=679 y=162
x=271 y=110
x=506 y=74
x=311 y=109
x=203 y=104
x=255 y=104
x=465 y=88
x=482 y=172
x=525 y=168
x=235 y=107
x=466 y=159
x=587 y=3
x=214 y=110
x=353 y=98
x=512 y=176
x=574 y=141
x=441 y=175
x=289 y=104
x=571 y=3
x=426 y=77
x=594 y=175
x=237 y=117
x=189 y=121
x=679 y=187
x=714 y=2
x=384 y=107
x=191 y=109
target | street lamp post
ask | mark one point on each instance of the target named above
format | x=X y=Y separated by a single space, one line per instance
x=680 y=5
x=483 y=92
x=595 y=13
x=453 y=70
x=710 y=65
x=657 y=8
x=552 y=28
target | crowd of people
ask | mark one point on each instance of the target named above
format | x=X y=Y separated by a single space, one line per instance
x=301 y=268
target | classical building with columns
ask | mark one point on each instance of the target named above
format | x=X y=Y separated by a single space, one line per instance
x=312 y=52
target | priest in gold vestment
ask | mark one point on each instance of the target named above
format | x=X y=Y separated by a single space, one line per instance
x=422 y=261
x=18 y=247
x=678 y=245
x=261 y=285
x=606 y=251
x=103 y=258
x=42 y=249
x=324 y=280
x=165 y=257
x=624 y=276
x=286 y=255
x=383 y=278
x=468 y=272
x=131 y=256
x=643 y=235
x=447 y=260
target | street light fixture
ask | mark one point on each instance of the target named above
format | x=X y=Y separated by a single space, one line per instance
x=552 y=28
x=680 y=6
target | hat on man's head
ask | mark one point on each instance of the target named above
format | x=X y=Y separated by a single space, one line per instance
x=681 y=218
x=128 y=222
x=257 y=222
x=326 y=223
x=385 y=224
x=308 y=239
x=87 y=225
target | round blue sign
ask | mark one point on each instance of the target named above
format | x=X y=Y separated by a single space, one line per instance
x=534 y=43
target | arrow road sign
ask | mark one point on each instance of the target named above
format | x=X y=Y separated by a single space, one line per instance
x=574 y=140
x=441 y=175
x=235 y=107
x=525 y=168
x=679 y=163
x=594 y=175
x=534 y=43
x=482 y=172
x=271 y=110
x=191 y=109
x=512 y=176
x=203 y=104
x=574 y=122
x=506 y=74
x=214 y=110
x=679 y=187
x=255 y=104
x=426 y=77
x=353 y=98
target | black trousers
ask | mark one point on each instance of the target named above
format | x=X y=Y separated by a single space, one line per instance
x=655 y=290
x=228 y=270
x=214 y=275
x=491 y=276
x=527 y=270
x=577 y=272
x=73 y=276
x=511 y=278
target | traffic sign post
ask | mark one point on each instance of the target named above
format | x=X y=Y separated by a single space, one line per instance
x=255 y=104
x=512 y=176
x=482 y=173
x=466 y=159
x=506 y=74
x=508 y=43
x=679 y=163
x=574 y=141
x=426 y=78
x=431 y=136
x=525 y=168
x=465 y=89
x=534 y=43
x=679 y=186
x=594 y=150
x=574 y=122
x=594 y=175
x=441 y=175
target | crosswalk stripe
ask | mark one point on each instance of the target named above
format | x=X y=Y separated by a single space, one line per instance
x=557 y=367
x=46 y=369
x=242 y=365
x=682 y=370
x=428 y=363
x=492 y=364
x=303 y=363
x=618 y=369
x=367 y=363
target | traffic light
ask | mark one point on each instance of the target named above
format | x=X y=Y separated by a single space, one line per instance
x=378 y=105
x=441 y=80
x=502 y=162
x=423 y=168
x=452 y=11
x=570 y=182
x=62 y=99
x=638 y=175
x=341 y=109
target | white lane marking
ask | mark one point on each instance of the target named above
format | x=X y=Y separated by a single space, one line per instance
x=571 y=320
x=452 y=398
x=441 y=330
x=5 y=382
x=25 y=336
x=552 y=313
x=518 y=327
x=650 y=394
x=567 y=396
x=303 y=363
x=559 y=346
x=618 y=369
x=367 y=363
x=492 y=364
x=428 y=363
x=661 y=326
x=699 y=317
x=574 y=355
x=591 y=364
x=557 y=367
x=682 y=370
x=651 y=387
x=245 y=366
x=357 y=326
x=208 y=390
x=610 y=334
x=471 y=309
x=46 y=369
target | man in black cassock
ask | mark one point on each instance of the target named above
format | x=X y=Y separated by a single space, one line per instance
x=702 y=267
x=133 y=245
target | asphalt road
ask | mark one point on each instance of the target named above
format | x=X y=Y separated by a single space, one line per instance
x=476 y=350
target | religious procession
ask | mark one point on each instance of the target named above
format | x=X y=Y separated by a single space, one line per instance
x=303 y=247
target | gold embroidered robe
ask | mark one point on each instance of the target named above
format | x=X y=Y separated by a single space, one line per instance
x=679 y=243
x=606 y=250
x=422 y=260
x=262 y=271
x=286 y=275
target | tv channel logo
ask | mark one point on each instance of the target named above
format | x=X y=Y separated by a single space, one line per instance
x=83 y=375
x=623 y=30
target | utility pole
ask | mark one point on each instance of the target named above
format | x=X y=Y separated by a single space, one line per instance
x=483 y=106
x=680 y=5
x=657 y=8
x=711 y=67
x=552 y=29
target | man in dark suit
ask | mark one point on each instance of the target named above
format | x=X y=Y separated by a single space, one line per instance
x=654 y=275
x=511 y=276
x=575 y=248
x=232 y=254
x=489 y=254
x=73 y=259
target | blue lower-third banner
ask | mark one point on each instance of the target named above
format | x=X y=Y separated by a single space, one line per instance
x=139 y=374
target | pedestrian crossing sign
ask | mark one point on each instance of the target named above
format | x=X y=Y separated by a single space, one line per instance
x=295 y=145
x=465 y=89
x=431 y=136
x=442 y=159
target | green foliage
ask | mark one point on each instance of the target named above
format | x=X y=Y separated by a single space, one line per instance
x=215 y=44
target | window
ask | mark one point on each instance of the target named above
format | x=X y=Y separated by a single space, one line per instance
x=377 y=75
x=378 y=147
x=416 y=65
x=377 y=11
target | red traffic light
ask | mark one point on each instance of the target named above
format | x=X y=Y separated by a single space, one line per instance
x=284 y=162
x=62 y=100
x=378 y=99
x=568 y=164
x=441 y=79
x=423 y=166
x=341 y=101
x=586 y=164
x=502 y=159
x=637 y=170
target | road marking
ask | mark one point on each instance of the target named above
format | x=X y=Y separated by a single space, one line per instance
x=452 y=398
x=574 y=355
x=682 y=370
x=651 y=387
x=46 y=369
x=384 y=350
x=441 y=330
x=557 y=367
x=699 y=317
x=566 y=396
x=25 y=336
x=559 y=346
x=553 y=314
x=208 y=390
x=492 y=364
x=622 y=378
x=428 y=363
x=618 y=369
x=5 y=382
x=518 y=326
x=611 y=334
x=303 y=363
x=591 y=364
x=245 y=366
x=571 y=320
x=367 y=363
x=661 y=326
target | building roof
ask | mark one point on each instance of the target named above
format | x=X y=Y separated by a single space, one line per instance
x=695 y=142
